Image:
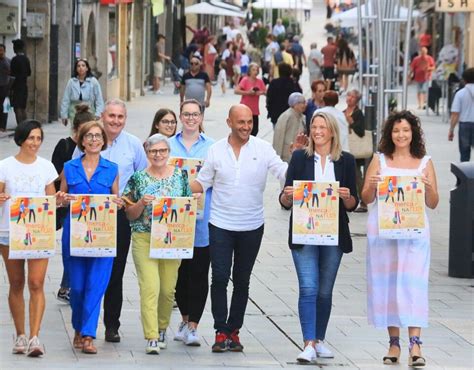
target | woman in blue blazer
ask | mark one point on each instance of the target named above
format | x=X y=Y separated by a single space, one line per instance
x=317 y=265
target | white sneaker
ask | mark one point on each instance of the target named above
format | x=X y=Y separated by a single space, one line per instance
x=35 y=348
x=182 y=332
x=192 y=339
x=308 y=355
x=323 y=351
x=152 y=347
x=21 y=345
x=162 y=343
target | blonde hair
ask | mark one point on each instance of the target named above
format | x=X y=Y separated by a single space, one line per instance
x=333 y=127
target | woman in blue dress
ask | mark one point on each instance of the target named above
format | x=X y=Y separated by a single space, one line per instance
x=89 y=276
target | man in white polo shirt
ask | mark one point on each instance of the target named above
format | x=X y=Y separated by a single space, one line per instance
x=236 y=168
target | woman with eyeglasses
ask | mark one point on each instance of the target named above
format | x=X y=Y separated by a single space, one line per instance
x=83 y=87
x=164 y=123
x=89 y=276
x=156 y=277
x=192 y=287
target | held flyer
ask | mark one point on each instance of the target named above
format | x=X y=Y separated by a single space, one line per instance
x=315 y=213
x=93 y=226
x=172 y=228
x=32 y=227
x=401 y=207
x=191 y=167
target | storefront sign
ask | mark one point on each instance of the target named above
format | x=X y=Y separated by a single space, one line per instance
x=455 y=6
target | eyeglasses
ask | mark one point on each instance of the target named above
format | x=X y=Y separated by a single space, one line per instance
x=93 y=137
x=155 y=152
x=189 y=115
x=168 y=123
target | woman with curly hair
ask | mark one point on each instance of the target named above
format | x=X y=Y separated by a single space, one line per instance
x=398 y=269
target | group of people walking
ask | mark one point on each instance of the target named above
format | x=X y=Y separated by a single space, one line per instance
x=102 y=158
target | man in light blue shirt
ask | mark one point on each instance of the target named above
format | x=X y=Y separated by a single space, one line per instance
x=127 y=151
x=462 y=111
x=193 y=284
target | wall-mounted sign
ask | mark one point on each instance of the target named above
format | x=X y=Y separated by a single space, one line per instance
x=455 y=6
x=35 y=25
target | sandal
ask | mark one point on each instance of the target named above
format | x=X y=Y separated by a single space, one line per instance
x=392 y=360
x=413 y=360
x=88 y=346
x=77 y=341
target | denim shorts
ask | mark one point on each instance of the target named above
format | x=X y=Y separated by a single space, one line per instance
x=422 y=87
x=4 y=240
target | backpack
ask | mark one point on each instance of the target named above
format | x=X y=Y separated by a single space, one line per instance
x=278 y=56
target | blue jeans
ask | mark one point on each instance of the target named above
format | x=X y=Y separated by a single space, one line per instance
x=316 y=267
x=244 y=247
x=466 y=140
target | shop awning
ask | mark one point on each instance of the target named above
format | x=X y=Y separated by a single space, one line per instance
x=215 y=7
x=283 y=4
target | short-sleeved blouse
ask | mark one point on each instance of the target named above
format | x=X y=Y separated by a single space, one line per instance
x=142 y=183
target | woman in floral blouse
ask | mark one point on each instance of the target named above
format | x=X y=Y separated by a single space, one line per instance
x=156 y=277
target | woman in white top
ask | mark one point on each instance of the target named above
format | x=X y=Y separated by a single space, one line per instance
x=25 y=174
x=316 y=265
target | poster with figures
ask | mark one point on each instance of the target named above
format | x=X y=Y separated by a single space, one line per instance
x=32 y=227
x=401 y=207
x=93 y=226
x=315 y=213
x=172 y=228
x=191 y=168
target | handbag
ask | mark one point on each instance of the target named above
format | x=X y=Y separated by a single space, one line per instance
x=361 y=147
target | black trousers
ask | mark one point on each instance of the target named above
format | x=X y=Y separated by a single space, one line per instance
x=193 y=284
x=3 y=116
x=114 y=296
x=255 y=126
x=227 y=248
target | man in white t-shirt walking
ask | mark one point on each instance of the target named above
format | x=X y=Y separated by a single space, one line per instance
x=236 y=168
x=462 y=111
x=315 y=61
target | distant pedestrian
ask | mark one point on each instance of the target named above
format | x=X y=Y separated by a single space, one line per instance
x=421 y=68
x=251 y=88
x=159 y=59
x=315 y=64
x=19 y=69
x=329 y=59
x=278 y=28
x=5 y=82
x=346 y=64
x=83 y=87
x=399 y=265
x=290 y=123
x=331 y=98
x=318 y=88
x=210 y=55
x=196 y=84
x=462 y=111
x=222 y=76
x=297 y=51
x=278 y=92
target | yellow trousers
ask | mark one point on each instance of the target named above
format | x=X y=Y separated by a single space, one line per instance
x=157 y=282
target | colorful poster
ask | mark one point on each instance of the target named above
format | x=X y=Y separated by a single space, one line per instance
x=401 y=207
x=315 y=213
x=172 y=228
x=93 y=226
x=191 y=168
x=32 y=227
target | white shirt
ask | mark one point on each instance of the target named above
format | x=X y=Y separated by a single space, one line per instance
x=278 y=29
x=342 y=122
x=312 y=66
x=271 y=49
x=23 y=179
x=463 y=103
x=238 y=183
x=325 y=174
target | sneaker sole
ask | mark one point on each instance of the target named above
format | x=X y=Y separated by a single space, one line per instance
x=162 y=346
x=193 y=344
x=304 y=360
x=152 y=352
x=218 y=350
x=236 y=349
x=325 y=356
x=35 y=353
x=19 y=352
